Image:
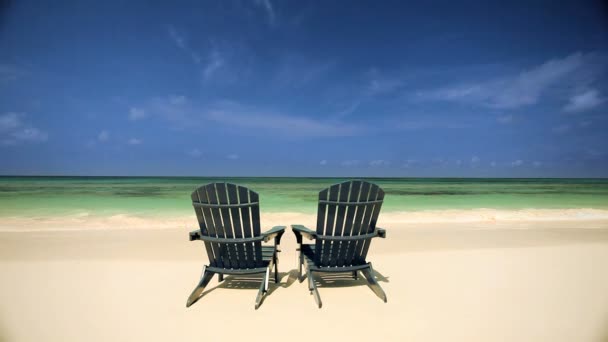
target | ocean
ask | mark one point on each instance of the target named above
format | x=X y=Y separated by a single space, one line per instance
x=40 y=197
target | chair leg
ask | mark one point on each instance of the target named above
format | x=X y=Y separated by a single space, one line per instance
x=355 y=275
x=198 y=290
x=263 y=289
x=220 y=277
x=313 y=288
x=373 y=284
x=300 y=277
x=276 y=269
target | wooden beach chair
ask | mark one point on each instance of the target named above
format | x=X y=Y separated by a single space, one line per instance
x=346 y=224
x=229 y=225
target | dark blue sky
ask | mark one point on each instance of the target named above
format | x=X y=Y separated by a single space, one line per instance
x=298 y=88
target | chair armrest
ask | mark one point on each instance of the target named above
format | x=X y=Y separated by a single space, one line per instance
x=195 y=235
x=381 y=232
x=300 y=231
x=274 y=233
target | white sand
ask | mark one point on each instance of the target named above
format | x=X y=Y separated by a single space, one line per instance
x=482 y=281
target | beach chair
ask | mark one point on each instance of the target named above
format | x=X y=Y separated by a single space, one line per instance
x=229 y=225
x=346 y=224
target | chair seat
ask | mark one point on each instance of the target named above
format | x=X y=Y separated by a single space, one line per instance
x=308 y=251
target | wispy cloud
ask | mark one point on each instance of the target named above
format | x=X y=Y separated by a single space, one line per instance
x=10 y=72
x=323 y=162
x=584 y=101
x=136 y=114
x=233 y=156
x=523 y=89
x=236 y=115
x=266 y=5
x=181 y=42
x=561 y=128
x=375 y=85
x=134 y=141
x=379 y=163
x=505 y=119
x=183 y=113
x=350 y=163
x=195 y=152
x=13 y=130
x=517 y=163
x=103 y=136
x=294 y=71
x=214 y=62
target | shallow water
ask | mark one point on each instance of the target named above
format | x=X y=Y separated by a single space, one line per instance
x=144 y=196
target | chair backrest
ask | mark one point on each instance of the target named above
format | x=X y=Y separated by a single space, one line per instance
x=229 y=219
x=348 y=209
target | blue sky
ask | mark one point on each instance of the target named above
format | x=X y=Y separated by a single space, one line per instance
x=299 y=88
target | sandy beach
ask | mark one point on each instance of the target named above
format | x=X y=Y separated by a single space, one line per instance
x=504 y=280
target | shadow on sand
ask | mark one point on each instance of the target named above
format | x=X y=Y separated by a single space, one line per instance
x=348 y=279
x=253 y=281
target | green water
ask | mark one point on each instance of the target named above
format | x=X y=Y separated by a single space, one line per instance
x=56 y=196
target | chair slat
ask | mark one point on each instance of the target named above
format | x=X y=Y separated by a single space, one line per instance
x=373 y=220
x=202 y=225
x=246 y=224
x=357 y=221
x=219 y=224
x=222 y=197
x=255 y=225
x=340 y=216
x=355 y=187
x=233 y=198
x=323 y=254
x=321 y=219
x=211 y=226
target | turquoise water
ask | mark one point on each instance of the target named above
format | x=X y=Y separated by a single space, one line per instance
x=52 y=196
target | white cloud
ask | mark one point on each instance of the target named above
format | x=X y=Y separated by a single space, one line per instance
x=475 y=159
x=493 y=164
x=268 y=8
x=134 y=141
x=103 y=136
x=349 y=163
x=233 y=156
x=505 y=119
x=136 y=114
x=517 y=163
x=515 y=91
x=14 y=131
x=584 y=101
x=379 y=163
x=236 y=115
x=323 y=162
x=196 y=153
x=536 y=163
